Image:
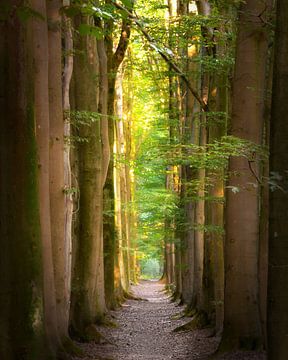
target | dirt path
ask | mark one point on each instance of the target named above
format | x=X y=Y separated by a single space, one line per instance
x=146 y=332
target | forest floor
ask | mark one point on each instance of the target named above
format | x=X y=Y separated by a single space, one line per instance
x=145 y=332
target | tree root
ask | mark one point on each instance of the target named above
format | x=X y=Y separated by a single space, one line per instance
x=93 y=335
x=107 y=321
x=199 y=321
x=188 y=312
x=71 y=348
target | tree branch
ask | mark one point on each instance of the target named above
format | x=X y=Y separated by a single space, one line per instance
x=164 y=56
x=122 y=44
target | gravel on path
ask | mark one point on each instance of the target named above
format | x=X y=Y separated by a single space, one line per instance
x=145 y=331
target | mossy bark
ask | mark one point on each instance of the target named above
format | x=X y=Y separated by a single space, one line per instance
x=113 y=287
x=88 y=298
x=22 y=333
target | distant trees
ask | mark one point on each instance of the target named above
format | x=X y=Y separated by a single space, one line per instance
x=247 y=106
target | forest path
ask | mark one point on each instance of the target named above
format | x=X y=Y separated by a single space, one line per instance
x=145 y=332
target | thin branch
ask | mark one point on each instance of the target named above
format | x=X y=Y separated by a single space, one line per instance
x=164 y=56
x=253 y=172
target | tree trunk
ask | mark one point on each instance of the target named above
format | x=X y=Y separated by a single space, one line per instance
x=241 y=315
x=111 y=250
x=103 y=107
x=21 y=302
x=109 y=232
x=40 y=56
x=68 y=208
x=278 y=232
x=121 y=189
x=56 y=170
x=88 y=298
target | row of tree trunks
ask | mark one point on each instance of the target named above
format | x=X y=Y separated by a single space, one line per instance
x=38 y=110
x=36 y=289
x=96 y=284
x=197 y=262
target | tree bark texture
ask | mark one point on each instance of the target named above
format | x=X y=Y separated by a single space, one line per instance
x=40 y=57
x=68 y=208
x=88 y=298
x=278 y=232
x=61 y=257
x=241 y=318
x=21 y=302
x=114 y=60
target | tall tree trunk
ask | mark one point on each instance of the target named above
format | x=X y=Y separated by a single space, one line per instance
x=264 y=201
x=111 y=249
x=188 y=174
x=120 y=278
x=103 y=107
x=213 y=279
x=121 y=189
x=88 y=298
x=56 y=169
x=241 y=315
x=21 y=301
x=111 y=270
x=278 y=232
x=68 y=208
x=40 y=56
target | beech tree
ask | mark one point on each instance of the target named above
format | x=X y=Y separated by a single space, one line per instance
x=113 y=286
x=22 y=323
x=60 y=244
x=241 y=310
x=277 y=292
x=88 y=302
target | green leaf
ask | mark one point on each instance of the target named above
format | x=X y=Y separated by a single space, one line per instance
x=85 y=29
x=128 y=4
